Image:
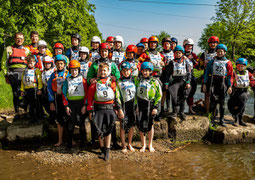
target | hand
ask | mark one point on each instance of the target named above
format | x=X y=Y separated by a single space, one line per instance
x=204 y=88
x=162 y=63
x=22 y=93
x=7 y=80
x=83 y=110
x=229 y=90
x=93 y=81
x=90 y=116
x=39 y=92
x=68 y=111
x=113 y=78
x=187 y=86
x=154 y=112
x=52 y=107
x=121 y=114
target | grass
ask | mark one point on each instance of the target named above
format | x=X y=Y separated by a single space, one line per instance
x=5 y=94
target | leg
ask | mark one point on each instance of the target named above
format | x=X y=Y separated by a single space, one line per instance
x=122 y=137
x=143 y=140
x=150 y=135
x=222 y=110
x=130 y=137
x=107 y=141
x=60 y=135
x=207 y=102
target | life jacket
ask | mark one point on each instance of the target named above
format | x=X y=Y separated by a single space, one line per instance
x=143 y=89
x=29 y=77
x=242 y=81
x=179 y=69
x=104 y=92
x=84 y=68
x=127 y=89
x=208 y=57
x=118 y=57
x=39 y=63
x=134 y=68
x=58 y=81
x=33 y=50
x=75 y=88
x=18 y=56
x=74 y=55
x=219 y=67
x=46 y=76
x=168 y=56
x=155 y=60
x=94 y=55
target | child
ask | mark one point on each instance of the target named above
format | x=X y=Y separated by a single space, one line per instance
x=192 y=57
x=140 y=50
x=149 y=95
x=59 y=49
x=177 y=81
x=101 y=98
x=205 y=57
x=110 y=41
x=31 y=85
x=74 y=99
x=118 y=54
x=126 y=91
x=242 y=80
x=94 y=52
x=221 y=81
x=174 y=43
x=145 y=43
x=55 y=84
x=131 y=53
x=73 y=52
x=42 y=46
x=84 y=61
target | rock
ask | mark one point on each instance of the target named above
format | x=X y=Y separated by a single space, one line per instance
x=193 y=128
x=3 y=127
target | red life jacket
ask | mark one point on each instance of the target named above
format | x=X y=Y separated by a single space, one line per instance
x=54 y=83
x=18 y=56
x=33 y=50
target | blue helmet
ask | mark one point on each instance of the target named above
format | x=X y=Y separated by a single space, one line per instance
x=179 y=48
x=147 y=65
x=60 y=57
x=242 y=61
x=125 y=65
x=222 y=46
x=173 y=39
x=140 y=45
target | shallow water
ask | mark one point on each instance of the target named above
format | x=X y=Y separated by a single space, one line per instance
x=196 y=161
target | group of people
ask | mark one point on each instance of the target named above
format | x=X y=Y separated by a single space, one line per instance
x=135 y=86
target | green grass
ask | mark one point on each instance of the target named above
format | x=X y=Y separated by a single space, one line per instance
x=5 y=94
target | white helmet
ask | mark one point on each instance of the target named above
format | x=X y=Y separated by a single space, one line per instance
x=188 y=41
x=96 y=39
x=42 y=43
x=48 y=59
x=119 y=39
x=84 y=49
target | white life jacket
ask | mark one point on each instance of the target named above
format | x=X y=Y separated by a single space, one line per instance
x=104 y=92
x=155 y=60
x=219 y=67
x=168 y=56
x=46 y=76
x=143 y=89
x=94 y=56
x=179 y=69
x=74 y=55
x=75 y=86
x=127 y=90
x=29 y=77
x=84 y=68
x=134 y=68
x=60 y=81
x=118 y=57
x=209 y=57
x=242 y=81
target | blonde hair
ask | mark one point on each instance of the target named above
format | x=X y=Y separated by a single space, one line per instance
x=30 y=58
x=103 y=65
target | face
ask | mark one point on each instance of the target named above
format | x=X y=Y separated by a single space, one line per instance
x=173 y=45
x=75 y=41
x=140 y=50
x=213 y=45
x=110 y=44
x=75 y=72
x=103 y=72
x=146 y=46
x=118 y=45
x=220 y=52
x=58 y=51
x=126 y=72
x=178 y=54
x=31 y=64
x=47 y=65
x=240 y=67
x=146 y=73
x=130 y=55
x=95 y=45
x=34 y=38
x=188 y=47
x=19 y=39
x=104 y=53
x=60 y=65
x=153 y=45
x=42 y=49
x=83 y=55
x=166 y=45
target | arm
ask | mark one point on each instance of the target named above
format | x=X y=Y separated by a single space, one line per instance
x=115 y=71
x=158 y=94
x=85 y=85
x=208 y=71
x=39 y=79
x=169 y=73
x=91 y=73
x=91 y=93
x=22 y=87
x=64 y=93
x=229 y=74
x=4 y=62
x=49 y=88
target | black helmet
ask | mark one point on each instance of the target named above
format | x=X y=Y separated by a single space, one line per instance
x=166 y=39
x=76 y=35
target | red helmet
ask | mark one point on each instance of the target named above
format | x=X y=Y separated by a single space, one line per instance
x=58 y=46
x=104 y=46
x=144 y=40
x=213 y=39
x=110 y=39
x=153 y=39
x=131 y=48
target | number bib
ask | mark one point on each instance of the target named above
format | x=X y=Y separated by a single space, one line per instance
x=104 y=92
x=134 y=68
x=209 y=57
x=60 y=81
x=46 y=76
x=29 y=77
x=84 y=68
x=155 y=60
x=168 y=56
x=179 y=68
x=117 y=57
x=75 y=86
x=94 y=56
x=143 y=89
x=219 y=67
x=242 y=81
x=127 y=89
x=74 y=55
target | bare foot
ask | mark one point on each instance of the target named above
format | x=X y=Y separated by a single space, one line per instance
x=151 y=149
x=73 y=143
x=124 y=149
x=143 y=149
x=58 y=144
x=130 y=147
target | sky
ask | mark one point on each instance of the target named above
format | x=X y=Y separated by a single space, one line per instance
x=135 y=20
